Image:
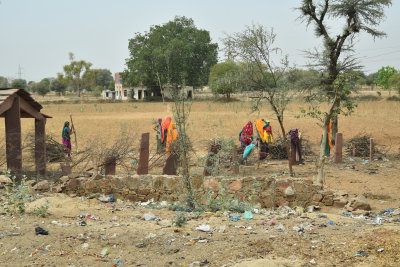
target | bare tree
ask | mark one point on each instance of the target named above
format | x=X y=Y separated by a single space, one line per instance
x=264 y=69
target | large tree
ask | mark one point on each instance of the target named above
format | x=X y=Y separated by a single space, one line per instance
x=104 y=78
x=176 y=53
x=41 y=88
x=58 y=85
x=74 y=72
x=337 y=56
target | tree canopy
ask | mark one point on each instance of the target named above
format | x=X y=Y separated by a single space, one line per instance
x=384 y=75
x=19 y=83
x=74 y=72
x=3 y=82
x=224 y=78
x=176 y=53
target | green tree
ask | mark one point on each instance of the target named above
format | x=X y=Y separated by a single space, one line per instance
x=224 y=78
x=176 y=53
x=337 y=54
x=395 y=82
x=74 y=72
x=41 y=88
x=19 y=83
x=3 y=82
x=384 y=75
x=58 y=85
x=104 y=78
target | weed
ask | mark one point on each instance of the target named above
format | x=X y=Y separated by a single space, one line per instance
x=43 y=210
x=180 y=220
x=16 y=196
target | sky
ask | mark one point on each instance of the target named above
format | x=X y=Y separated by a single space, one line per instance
x=37 y=35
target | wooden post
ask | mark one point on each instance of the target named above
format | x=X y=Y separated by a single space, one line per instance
x=293 y=153
x=110 y=166
x=13 y=137
x=143 y=167
x=65 y=169
x=40 y=146
x=338 y=148
x=371 y=149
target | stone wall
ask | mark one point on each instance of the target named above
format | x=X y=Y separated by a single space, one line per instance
x=266 y=191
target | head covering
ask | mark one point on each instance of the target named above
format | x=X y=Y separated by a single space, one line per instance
x=164 y=127
x=159 y=121
x=247 y=132
x=64 y=133
x=260 y=127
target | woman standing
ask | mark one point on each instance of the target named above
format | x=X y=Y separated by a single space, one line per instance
x=164 y=130
x=246 y=135
x=157 y=128
x=66 y=138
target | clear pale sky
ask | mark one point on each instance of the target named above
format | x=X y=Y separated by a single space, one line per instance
x=39 y=34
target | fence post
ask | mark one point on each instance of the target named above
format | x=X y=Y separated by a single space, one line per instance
x=371 y=149
x=144 y=154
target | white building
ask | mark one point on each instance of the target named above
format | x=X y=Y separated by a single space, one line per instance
x=139 y=92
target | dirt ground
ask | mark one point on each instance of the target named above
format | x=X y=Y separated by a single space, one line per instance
x=118 y=235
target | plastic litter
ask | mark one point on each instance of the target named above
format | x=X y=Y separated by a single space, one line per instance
x=204 y=228
x=248 y=215
x=104 y=252
x=149 y=217
x=272 y=222
x=118 y=262
x=330 y=223
x=40 y=231
x=313 y=261
x=248 y=150
x=381 y=250
x=85 y=245
x=235 y=217
x=360 y=253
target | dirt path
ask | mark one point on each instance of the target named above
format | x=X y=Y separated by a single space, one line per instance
x=117 y=235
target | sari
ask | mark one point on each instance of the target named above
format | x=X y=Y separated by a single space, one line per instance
x=164 y=128
x=171 y=137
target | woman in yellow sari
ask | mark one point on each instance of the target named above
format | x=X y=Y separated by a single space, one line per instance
x=171 y=137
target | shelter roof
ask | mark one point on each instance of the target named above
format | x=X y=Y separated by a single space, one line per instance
x=7 y=93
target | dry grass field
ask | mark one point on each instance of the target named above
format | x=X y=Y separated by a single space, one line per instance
x=107 y=122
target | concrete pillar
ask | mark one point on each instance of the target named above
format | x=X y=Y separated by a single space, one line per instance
x=40 y=146
x=143 y=167
x=371 y=149
x=338 y=148
x=170 y=165
x=13 y=137
x=293 y=154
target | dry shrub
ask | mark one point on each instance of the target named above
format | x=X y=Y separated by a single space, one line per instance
x=54 y=150
x=277 y=149
x=123 y=151
x=362 y=144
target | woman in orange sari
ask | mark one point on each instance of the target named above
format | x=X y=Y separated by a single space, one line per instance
x=164 y=130
x=171 y=137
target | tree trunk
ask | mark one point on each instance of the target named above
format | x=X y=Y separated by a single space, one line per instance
x=286 y=147
x=334 y=129
x=321 y=162
x=228 y=96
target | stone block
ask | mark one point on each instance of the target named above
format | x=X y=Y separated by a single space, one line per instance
x=42 y=186
x=299 y=187
x=211 y=184
x=317 y=197
x=89 y=185
x=282 y=185
x=235 y=185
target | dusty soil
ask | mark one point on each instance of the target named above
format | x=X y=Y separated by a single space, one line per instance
x=118 y=235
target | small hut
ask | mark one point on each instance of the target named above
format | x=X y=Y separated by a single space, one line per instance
x=14 y=105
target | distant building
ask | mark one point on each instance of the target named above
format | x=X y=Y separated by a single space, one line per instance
x=139 y=92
